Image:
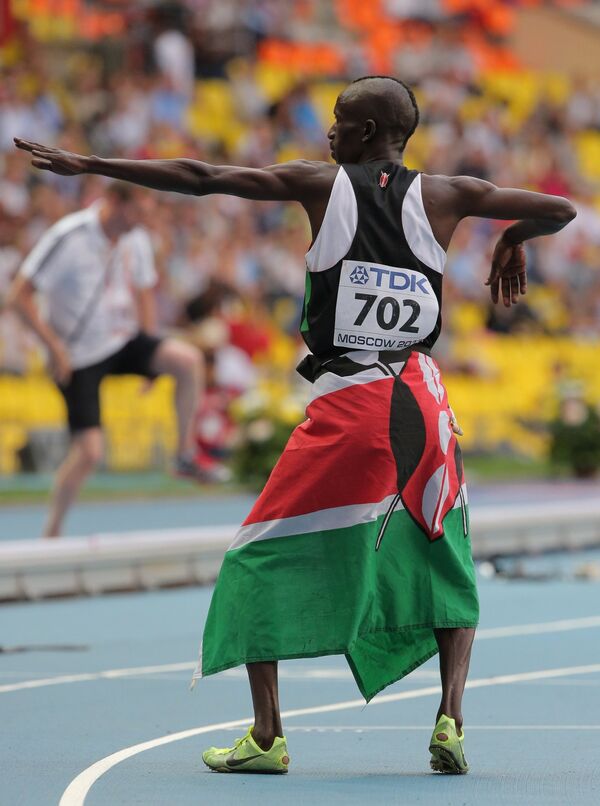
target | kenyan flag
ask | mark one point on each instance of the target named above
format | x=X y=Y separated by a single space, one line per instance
x=359 y=543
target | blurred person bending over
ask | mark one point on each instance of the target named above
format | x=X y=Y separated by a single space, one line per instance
x=94 y=271
x=359 y=544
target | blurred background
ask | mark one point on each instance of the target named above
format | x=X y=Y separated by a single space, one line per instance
x=508 y=92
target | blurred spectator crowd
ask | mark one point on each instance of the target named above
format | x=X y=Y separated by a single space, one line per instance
x=199 y=81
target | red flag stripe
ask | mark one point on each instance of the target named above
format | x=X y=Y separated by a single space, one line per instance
x=339 y=456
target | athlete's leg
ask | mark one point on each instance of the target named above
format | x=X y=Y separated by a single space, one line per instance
x=455 y=653
x=85 y=452
x=185 y=364
x=265 y=699
x=266 y=734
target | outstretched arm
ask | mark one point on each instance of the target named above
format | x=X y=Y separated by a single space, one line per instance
x=298 y=181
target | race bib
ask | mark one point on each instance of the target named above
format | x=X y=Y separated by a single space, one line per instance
x=383 y=307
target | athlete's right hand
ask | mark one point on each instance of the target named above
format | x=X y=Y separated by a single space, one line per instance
x=53 y=159
x=60 y=364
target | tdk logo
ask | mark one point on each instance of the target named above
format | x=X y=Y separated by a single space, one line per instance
x=390 y=279
x=359 y=275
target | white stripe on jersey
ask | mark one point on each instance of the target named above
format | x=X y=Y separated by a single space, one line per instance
x=417 y=229
x=338 y=229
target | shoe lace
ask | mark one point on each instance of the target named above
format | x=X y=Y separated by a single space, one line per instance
x=238 y=742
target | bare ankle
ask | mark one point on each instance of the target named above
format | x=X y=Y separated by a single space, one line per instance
x=264 y=739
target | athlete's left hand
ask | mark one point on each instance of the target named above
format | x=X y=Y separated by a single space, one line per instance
x=509 y=270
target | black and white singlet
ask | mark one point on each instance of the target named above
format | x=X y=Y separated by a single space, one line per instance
x=374 y=271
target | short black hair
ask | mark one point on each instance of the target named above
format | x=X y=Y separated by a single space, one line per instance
x=412 y=124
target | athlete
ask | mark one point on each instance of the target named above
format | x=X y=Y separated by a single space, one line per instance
x=94 y=270
x=359 y=544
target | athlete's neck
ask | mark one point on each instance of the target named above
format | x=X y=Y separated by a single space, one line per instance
x=397 y=158
x=383 y=153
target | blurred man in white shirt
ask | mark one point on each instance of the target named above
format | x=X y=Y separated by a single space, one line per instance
x=94 y=271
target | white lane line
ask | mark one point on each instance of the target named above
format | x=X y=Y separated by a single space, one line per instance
x=469 y=728
x=572 y=683
x=76 y=792
x=564 y=625
x=108 y=674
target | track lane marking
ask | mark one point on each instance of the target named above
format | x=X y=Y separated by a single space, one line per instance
x=367 y=728
x=108 y=674
x=541 y=628
x=563 y=625
x=75 y=794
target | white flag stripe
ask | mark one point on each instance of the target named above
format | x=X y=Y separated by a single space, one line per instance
x=320 y=521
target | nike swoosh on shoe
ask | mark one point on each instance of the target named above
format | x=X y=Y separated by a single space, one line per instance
x=237 y=762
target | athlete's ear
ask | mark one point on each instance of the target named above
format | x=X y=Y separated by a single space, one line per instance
x=370 y=129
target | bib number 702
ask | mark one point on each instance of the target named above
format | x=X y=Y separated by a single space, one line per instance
x=387 y=312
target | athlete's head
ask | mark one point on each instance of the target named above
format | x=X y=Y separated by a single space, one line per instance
x=374 y=114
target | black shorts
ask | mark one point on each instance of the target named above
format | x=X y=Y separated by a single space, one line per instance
x=82 y=393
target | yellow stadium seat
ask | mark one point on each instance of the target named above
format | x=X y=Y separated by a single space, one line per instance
x=212 y=113
x=12 y=437
x=274 y=81
x=588 y=153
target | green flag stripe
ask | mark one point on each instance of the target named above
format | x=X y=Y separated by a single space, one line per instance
x=332 y=593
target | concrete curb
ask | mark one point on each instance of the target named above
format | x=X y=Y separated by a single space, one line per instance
x=102 y=563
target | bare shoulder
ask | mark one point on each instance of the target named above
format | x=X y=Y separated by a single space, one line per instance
x=305 y=167
x=452 y=188
x=310 y=165
x=306 y=170
x=446 y=198
x=309 y=182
